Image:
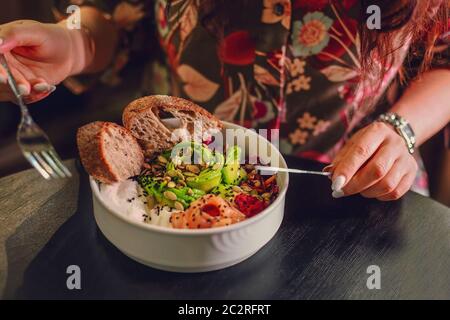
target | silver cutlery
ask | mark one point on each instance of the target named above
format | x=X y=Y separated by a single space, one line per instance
x=276 y=169
x=34 y=143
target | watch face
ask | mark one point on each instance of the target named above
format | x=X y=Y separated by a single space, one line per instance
x=408 y=131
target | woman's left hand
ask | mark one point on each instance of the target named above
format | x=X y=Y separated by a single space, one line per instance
x=374 y=162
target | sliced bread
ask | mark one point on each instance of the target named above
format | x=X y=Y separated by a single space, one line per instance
x=142 y=118
x=109 y=152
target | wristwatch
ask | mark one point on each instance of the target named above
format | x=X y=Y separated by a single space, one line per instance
x=402 y=127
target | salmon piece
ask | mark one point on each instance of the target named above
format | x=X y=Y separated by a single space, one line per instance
x=208 y=211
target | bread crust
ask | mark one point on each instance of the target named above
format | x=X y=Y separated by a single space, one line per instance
x=146 y=106
x=92 y=151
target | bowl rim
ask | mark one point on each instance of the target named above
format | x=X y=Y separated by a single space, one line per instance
x=199 y=232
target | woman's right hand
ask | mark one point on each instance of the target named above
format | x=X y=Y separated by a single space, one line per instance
x=40 y=56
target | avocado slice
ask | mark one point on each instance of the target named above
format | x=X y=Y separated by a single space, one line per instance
x=206 y=181
x=231 y=170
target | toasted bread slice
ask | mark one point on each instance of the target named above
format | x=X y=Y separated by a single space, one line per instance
x=142 y=118
x=109 y=152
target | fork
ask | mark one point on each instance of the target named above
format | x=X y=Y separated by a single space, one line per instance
x=276 y=169
x=34 y=143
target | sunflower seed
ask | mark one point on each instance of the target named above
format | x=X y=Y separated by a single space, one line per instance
x=170 y=195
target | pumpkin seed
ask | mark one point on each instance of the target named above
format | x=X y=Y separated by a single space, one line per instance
x=178 y=205
x=190 y=178
x=257 y=183
x=162 y=159
x=172 y=173
x=216 y=166
x=171 y=184
x=189 y=174
x=170 y=195
x=150 y=202
x=190 y=192
x=192 y=168
x=246 y=188
x=236 y=189
x=254 y=192
x=266 y=195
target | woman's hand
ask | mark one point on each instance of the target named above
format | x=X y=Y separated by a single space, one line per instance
x=376 y=163
x=40 y=56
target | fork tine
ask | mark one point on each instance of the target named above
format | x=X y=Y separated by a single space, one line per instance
x=36 y=165
x=58 y=162
x=52 y=164
x=44 y=164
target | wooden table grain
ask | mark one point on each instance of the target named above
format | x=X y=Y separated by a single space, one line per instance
x=322 y=250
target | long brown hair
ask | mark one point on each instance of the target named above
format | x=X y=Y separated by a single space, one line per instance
x=419 y=21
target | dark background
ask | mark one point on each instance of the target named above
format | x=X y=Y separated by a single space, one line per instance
x=63 y=112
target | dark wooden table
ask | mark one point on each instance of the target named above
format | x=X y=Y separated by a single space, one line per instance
x=322 y=250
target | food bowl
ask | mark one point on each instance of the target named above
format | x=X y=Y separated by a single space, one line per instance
x=187 y=250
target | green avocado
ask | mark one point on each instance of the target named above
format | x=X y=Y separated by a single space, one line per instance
x=231 y=170
x=206 y=181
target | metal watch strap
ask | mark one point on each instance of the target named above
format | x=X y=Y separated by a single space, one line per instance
x=402 y=127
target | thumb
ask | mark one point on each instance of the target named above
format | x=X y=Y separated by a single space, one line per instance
x=19 y=33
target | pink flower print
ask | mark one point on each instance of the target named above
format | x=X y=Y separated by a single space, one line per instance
x=307 y=121
x=297 y=67
x=301 y=83
x=298 y=136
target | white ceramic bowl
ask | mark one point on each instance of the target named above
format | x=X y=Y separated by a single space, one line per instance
x=184 y=250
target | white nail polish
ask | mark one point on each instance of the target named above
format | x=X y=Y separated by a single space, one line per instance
x=3 y=80
x=328 y=168
x=1 y=41
x=23 y=90
x=338 y=183
x=338 y=194
x=44 y=87
x=41 y=87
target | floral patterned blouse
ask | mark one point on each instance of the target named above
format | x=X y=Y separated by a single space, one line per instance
x=292 y=65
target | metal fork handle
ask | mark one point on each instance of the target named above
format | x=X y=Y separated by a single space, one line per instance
x=15 y=89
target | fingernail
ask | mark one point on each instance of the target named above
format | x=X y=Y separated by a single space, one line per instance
x=23 y=90
x=1 y=41
x=44 y=87
x=338 y=183
x=328 y=168
x=338 y=194
x=2 y=79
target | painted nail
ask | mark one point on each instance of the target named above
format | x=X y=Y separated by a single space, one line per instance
x=44 y=87
x=1 y=41
x=3 y=79
x=338 y=194
x=338 y=183
x=328 y=168
x=23 y=90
